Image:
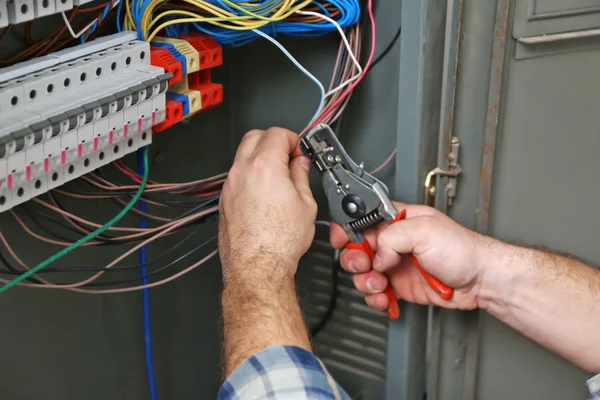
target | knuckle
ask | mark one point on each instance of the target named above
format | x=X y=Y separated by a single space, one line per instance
x=252 y=133
x=259 y=161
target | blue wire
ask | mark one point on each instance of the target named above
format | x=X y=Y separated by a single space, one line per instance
x=119 y=12
x=146 y=292
x=349 y=14
x=301 y=68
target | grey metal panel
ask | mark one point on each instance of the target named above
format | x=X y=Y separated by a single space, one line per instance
x=546 y=159
x=537 y=17
x=421 y=61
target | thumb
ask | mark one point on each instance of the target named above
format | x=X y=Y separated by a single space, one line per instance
x=299 y=173
x=399 y=238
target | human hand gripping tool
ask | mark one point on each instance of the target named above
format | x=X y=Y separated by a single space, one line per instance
x=357 y=201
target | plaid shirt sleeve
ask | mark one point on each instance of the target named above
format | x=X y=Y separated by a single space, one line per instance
x=282 y=372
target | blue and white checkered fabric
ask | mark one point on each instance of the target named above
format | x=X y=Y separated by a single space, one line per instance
x=282 y=372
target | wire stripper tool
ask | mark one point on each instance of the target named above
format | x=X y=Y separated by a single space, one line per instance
x=357 y=200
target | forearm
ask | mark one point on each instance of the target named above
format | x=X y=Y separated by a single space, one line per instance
x=552 y=299
x=259 y=313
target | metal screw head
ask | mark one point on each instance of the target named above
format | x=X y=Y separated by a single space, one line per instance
x=330 y=158
x=432 y=190
x=338 y=159
x=339 y=191
x=347 y=187
x=351 y=208
x=454 y=140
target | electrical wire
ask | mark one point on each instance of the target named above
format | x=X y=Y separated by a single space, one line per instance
x=301 y=68
x=85 y=239
x=345 y=41
x=146 y=293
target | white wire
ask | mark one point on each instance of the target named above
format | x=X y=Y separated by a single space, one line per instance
x=84 y=30
x=345 y=40
x=301 y=68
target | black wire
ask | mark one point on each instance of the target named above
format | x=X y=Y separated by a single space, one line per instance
x=319 y=326
x=13 y=270
x=157 y=271
x=115 y=268
x=111 y=240
x=386 y=51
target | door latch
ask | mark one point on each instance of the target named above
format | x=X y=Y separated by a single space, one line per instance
x=452 y=173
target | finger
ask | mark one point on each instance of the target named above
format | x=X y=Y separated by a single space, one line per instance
x=377 y=301
x=248 y=144
x=370 y=282
x=337 y=236
x=355 y=261
x=399 y=238
x=299 y=172
x=415 y=210
x=278 y=143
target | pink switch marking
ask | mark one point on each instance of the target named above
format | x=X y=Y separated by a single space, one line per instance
x=153 y=118
x=96 y=144
x=125 y=130
x=111 y=137
x=9 y=181
x=46 y=164
x=79 y=150
x=28 y=172
x=63 y=157
x=140 y=124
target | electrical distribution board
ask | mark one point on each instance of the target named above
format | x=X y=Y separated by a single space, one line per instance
x=75 y=110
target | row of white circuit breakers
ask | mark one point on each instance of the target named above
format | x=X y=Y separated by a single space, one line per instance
x=17 y=11
x=73 y=111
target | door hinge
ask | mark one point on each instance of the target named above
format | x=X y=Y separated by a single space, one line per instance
x=451 y=173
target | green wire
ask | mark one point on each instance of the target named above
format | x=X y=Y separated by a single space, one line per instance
x=87 y=238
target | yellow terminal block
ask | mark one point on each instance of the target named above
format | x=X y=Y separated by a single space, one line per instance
x=191 y=55
x=194 y=96
x=195 y=99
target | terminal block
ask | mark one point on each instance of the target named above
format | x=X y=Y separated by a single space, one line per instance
x=77 y=110
x=190 y=59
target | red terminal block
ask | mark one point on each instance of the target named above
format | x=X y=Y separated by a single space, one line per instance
x=163 y=58
x=196 y=79
x=212 y=95
x=174 y=115
x=211 y=53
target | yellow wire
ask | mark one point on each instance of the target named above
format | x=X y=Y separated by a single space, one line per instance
x=217 y=16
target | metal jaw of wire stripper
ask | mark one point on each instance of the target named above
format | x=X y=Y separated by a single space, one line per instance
x=356 y=199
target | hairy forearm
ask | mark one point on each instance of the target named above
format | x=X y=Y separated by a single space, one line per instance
x=552 y=299
x=259 y=313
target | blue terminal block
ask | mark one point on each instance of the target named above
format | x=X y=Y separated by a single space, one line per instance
x=178 y=56
x=181 y=98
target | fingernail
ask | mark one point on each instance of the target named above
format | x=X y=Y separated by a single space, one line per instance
x=369 y=302
x=352 y=266
x=305 y=163
x=374 y=285
x=376 y=261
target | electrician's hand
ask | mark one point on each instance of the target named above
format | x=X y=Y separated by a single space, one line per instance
x=267 y=210
x=445 y=249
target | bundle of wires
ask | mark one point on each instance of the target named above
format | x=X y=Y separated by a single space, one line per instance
x=233 y=22
x=196 y=203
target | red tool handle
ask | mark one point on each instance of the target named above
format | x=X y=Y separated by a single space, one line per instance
x=393 y=310
x=443 y=290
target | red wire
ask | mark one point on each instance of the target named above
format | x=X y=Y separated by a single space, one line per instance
x=332 y=107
